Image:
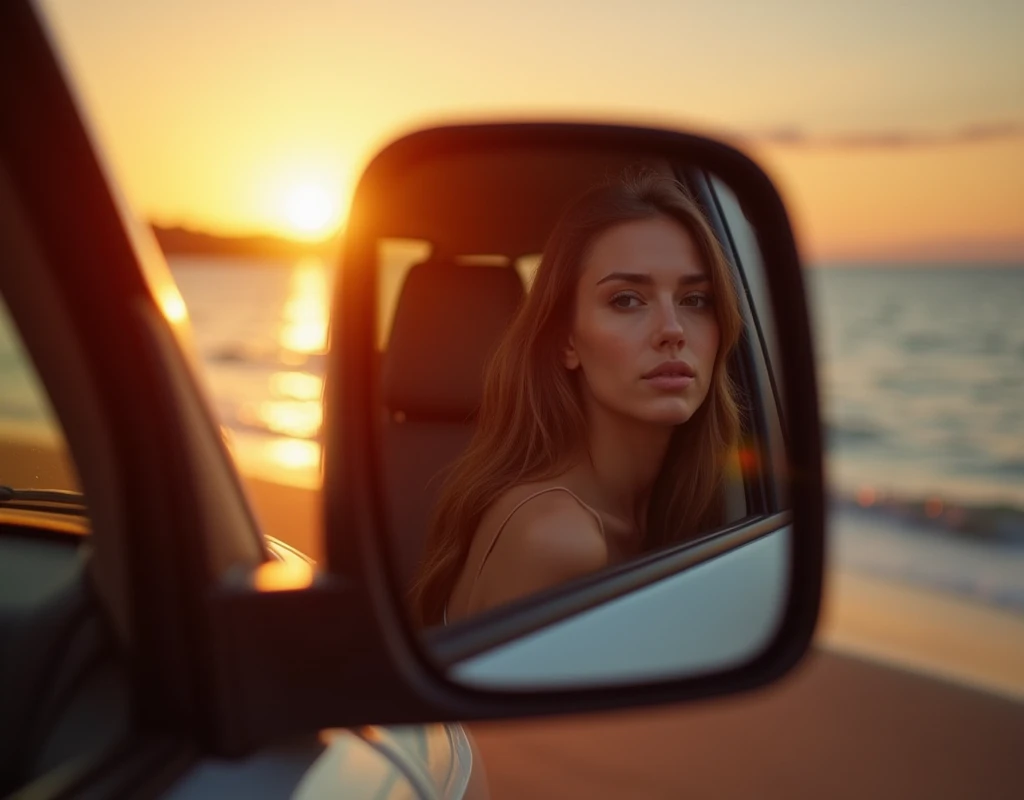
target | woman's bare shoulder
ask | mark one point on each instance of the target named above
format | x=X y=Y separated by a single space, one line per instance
x=550 y=538
x=553 y=515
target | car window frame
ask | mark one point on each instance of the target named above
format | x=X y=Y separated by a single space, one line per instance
x=45 y=433
x=84 y=291
x=760 y=347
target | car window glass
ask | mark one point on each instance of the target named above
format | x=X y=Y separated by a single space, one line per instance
x=397 y=257
x=744 y=240
x=259 y=326
x=33 y=449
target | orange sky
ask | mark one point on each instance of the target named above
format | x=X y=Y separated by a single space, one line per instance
x=219 y=115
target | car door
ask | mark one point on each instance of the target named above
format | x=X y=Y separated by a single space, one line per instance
x=102 y=621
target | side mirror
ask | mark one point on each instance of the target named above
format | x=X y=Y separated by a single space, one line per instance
x=572 y=441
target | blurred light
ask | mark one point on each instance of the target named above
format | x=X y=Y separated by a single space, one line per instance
x=292 y=418
x=297 y=385
x=749 y=461
x=172 y=304
x=867 y=496
x=305 y=313
x=956 y=516
x=248 y=415
x=295 y=453
x=283 y=576
x=312 y=209
x=933 y=507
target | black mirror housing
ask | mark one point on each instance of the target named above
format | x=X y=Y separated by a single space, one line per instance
x=354 y=510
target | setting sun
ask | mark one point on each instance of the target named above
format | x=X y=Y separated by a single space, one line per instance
x=312 y=210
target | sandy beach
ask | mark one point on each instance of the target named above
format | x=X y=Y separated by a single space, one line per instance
x=938 y=634
x=34 y=458
x=289 y=513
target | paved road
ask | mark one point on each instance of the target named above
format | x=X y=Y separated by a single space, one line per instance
x=838 y=727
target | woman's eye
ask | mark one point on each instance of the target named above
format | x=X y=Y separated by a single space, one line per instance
x=697 y=300
x=626 y=300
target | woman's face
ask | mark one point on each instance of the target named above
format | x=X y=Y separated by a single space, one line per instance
x=645 y=334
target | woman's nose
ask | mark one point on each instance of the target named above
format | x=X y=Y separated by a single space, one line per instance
x=670 y=328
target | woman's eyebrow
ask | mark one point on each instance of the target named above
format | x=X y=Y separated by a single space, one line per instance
x=647 y=280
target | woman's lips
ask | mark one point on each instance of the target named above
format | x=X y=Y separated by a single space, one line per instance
x=670 y=382
x=671 y=376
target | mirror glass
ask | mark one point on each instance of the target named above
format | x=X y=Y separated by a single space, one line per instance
x=579 y=436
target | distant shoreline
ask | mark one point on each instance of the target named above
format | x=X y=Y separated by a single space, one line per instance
x=178 y=241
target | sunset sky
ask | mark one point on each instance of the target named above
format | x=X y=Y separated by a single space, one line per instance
x=893 y=129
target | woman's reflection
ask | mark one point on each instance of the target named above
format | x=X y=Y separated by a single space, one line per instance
x=607 y=416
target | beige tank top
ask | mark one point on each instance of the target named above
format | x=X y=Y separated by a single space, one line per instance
x=500 y=528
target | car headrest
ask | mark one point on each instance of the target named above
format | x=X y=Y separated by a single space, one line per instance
x=448 y=320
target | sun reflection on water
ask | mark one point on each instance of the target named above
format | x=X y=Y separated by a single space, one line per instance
x=295 y=454
x=297 y=385
x=304 y=328
x=301 y=419
x=295 y=410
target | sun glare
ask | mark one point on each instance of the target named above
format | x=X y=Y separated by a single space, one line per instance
x=312 y=210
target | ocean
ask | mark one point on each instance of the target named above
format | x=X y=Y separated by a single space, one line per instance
x=921 y=371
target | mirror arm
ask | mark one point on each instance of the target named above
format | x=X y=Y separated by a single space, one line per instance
x=282 y=662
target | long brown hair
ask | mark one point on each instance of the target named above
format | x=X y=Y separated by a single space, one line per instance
x=531 y=416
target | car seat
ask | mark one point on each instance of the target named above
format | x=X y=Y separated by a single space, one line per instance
x=448 y=319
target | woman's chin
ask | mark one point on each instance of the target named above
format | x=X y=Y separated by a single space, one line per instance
x=669 y=412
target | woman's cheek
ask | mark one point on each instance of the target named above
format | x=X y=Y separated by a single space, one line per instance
x=619 y=349
x=707 y=339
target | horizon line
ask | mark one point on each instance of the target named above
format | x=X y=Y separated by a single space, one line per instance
x=999 y=253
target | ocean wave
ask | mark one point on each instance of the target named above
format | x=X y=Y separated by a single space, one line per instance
x=994 y=343
x=232 y=354
x=999 y=594
x=248 y=356
x=901 y=548
x=980 y=522
x=997 y=392
x=922 y=342
x=273 y=416
x=1010 y=466
x=853 y=432
x=910 y=384
x=263 y=428
x=933 y=343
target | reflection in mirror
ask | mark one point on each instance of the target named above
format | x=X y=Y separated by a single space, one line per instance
x=569 y=389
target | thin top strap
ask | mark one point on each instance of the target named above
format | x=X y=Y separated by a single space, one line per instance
x=497 y=533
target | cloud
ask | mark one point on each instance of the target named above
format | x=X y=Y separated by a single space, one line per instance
x=889 y=140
